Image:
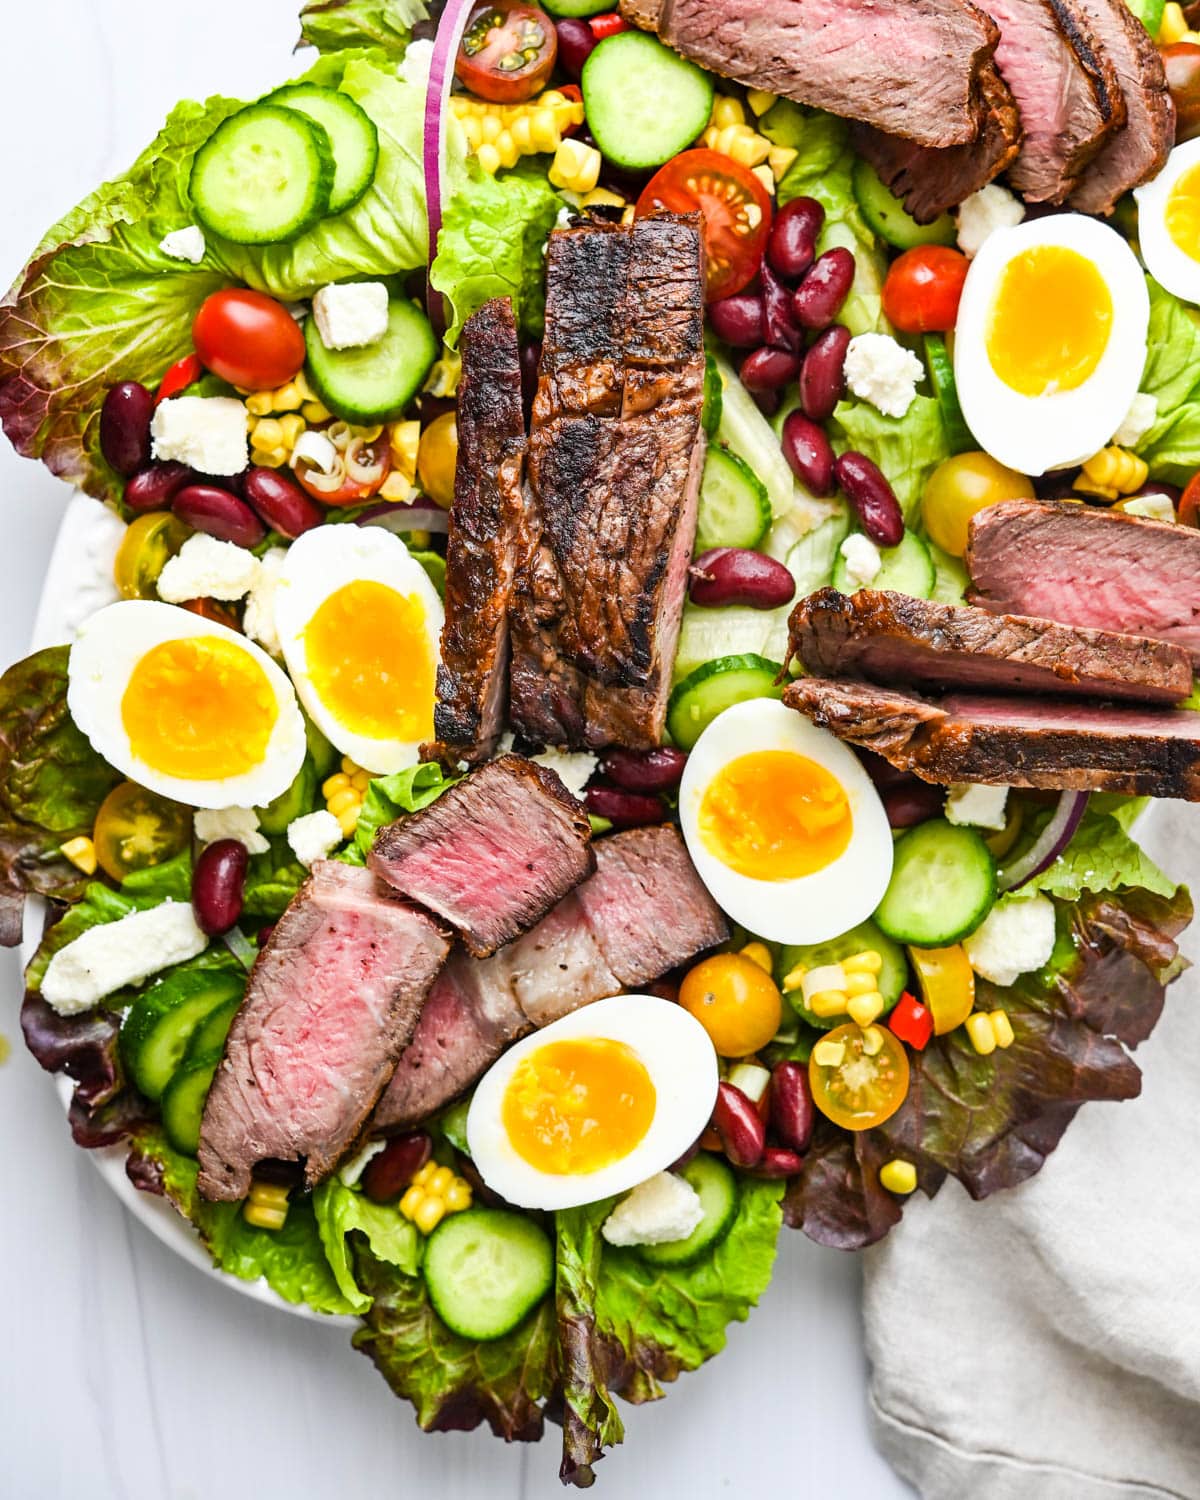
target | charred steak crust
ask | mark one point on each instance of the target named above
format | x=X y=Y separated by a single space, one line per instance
x=1054 y=745
x=493 y=854
x=890 y=637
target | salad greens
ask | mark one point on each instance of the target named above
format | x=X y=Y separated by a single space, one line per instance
x=1172 y=377
x=906 y=448
x=341 y=1212
x=386 y=24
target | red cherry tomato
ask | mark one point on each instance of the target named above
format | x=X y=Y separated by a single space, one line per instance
x=248 y=339
x=607 y=25
x=736 y=209
x=923 y=287
x=1182 y=63
x=1189 y=503
x=181 y=374
x=373 y=457
x=507 y=52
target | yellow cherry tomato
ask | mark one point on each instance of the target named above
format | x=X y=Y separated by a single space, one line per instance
x=736 y=1002
x=947 y=984
x=437 y=457
x=867 y=1083
x=136 y=828
x=958 y=488
x=148 y=543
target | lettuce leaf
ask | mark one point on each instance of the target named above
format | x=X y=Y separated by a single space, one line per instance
x=1100 y=857
x=389 y=797
x=907 y=449
x=340 y=1211
x=590 y=1365
x=272 y=879
x=1172 y=377
x=330 y=25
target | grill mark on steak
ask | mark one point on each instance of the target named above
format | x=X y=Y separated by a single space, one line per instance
x=492 y=855
x=481 y=549
x=890 y=637
x=1057 y=746
x=332 y=1001
x=581 y=365
x=908 y=67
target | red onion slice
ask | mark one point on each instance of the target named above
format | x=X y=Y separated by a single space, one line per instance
x=406 y=518
x=1049 y=844
x=441 y=75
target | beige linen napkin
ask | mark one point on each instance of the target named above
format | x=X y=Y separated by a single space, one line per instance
x=1045 y=1344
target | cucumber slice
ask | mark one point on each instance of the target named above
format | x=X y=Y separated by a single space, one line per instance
x=486 y=1270
x=183 y=1102
x=718 y=1190
x=943 y=885
x=300 y=798
x=453 y=1124
x=714 y=397
x=264 y=175
x=352 y=136
x=644 y=103
x=209 y=1036
x=907 y=569
x=734 y=508
x=893 y=977
x=161 y=1022
x=941 y=377
x=713 y=688
x=577 y=7
x=374 y=383
x=888 y=217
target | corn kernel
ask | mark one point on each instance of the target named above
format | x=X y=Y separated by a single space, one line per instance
x=748 y=148
x=349 y=765
x=869 y=961
x=288 y=397
x=441 y=1180
x=859 y=984
x=340 y=801
x=727 y=111
x=473 y=133
x=1173 y=27
x=490 y=128
x=521 y=133
x=575 y=166
x=629 y=215
x=899 y=1176
x=361 y=780
x=829 y=1054
x=458 y=1197
x=823 y=977
x=397 y=487
x=601 y=197
x=780 y=159
x=760 y=101
x=507 y=147
x=872 y=1041
x=313 y=412
x=348 y=821
x=306 y=391
x=865 y=1008
x=429 y=1214
x=1002 y=1028
x=410 y=1200
x=760 y=954
x=267 y=433
x=81 y=852
x=334 y=784
x=765 y=176
x=826 y=1003
x=260 y=403
x=293 y=425
x=266 y=1205
x=403 y=440
x=1114 y=469
x=982 y=1034
x=269 y=458
x=434 y=1192
x=488 y=158
x=793 y=979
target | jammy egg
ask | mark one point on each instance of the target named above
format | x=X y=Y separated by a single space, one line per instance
x=1169 y=222
x=784 y=825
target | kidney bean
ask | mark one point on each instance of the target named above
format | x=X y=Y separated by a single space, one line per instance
x=217 y=884
x=576 y=42
x=809 y=453
x=793 y=239
x=738 y=320
x=882 y=772
x=280 y=502
x=820 y=296
x=682 y=1161
x=644 y=770
x=220 y=513
x=779 y=324
x=624 y=809
x=531 y=358
x=154 y=488
x=872 y=497
x=739 y=575
x=768 y=402
x=264 y=934
x=736 y=1120
x=769 y=370
x=777 y=1162
x=391 y=1170
x=916 y=803
x=823 y=375
x=125 y=426
x=792 y=1112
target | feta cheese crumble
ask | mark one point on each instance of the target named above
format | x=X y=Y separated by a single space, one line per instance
x=208 y=433
x=184 y=244
x=1016 y=937
x=1139 y=419
x=977 y=806
x=862 y=559
x=658 y=1211
x=980 y=215
x=883 y=372
x=115 y=954
x=575 y=768
x=241 y=823
x=351 y=315
x=314 y=836
x=258 y=618
x=205 y=568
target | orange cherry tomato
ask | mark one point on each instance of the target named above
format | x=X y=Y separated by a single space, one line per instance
x=136 y=828
x=1181 y=60
x=507 y=52
x=862 y=1089
x=248 y=339
x=947 y=984
x=923 y=288
x=736 y=1002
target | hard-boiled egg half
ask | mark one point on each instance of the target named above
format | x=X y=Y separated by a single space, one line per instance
x=1169 y=222
x=783 y=824
x=593 y=1104
x=359 y=624
x=185 y=706
x=1050 y=341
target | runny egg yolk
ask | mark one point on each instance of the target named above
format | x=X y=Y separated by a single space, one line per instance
x=1050 y=321
x=1183 y=213
x=775 y=815
x=578 y=1105
x=371 y=663
x=199 y=708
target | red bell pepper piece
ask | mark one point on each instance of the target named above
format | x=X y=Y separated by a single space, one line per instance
x=181 y=374
x=911 y=1021
x=607 y=25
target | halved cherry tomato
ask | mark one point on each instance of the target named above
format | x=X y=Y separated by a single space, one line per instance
x=1182 y=63
x=136 y=828
x=150 y=541
x=735 y=1000
x=181 y=374
x=947 y=984
x=437 y=459
x=736 y=209
x=248 y=339
x=911 y=1021
x=1189 y=501
x=607 y=25
x=213 y=609
x=862 y=1090
x=507 y=52
x=923 y=287
x=372 y=458
x=960 y=486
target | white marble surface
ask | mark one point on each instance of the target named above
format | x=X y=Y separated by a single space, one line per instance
x=126 y=1375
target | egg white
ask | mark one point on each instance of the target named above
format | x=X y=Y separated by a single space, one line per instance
x=109 y=647
x=1166 y=262
x=808 y=908
x=1035 y=433
x=318 y=564
x=676 y=1052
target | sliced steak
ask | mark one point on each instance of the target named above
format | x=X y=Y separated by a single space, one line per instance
x=892 y=638
x=1060 y=746
x=1134 y=154
x=906 y=66
x=613 y=482
x=481 y=549
x=1082 y=565
x=643 y=912
x=493 y=854
x=332 y=1002
x=932 y=179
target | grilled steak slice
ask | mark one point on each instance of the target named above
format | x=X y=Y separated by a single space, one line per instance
x=906 y=66
x=931 y=179
x=332 y=1002
x=892 y=638
x=642 y=913
x=493 y=854
x=1135 y=154
x=582 y=364
x=1057 y=745
x=472 y=679
x=1081 y=565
